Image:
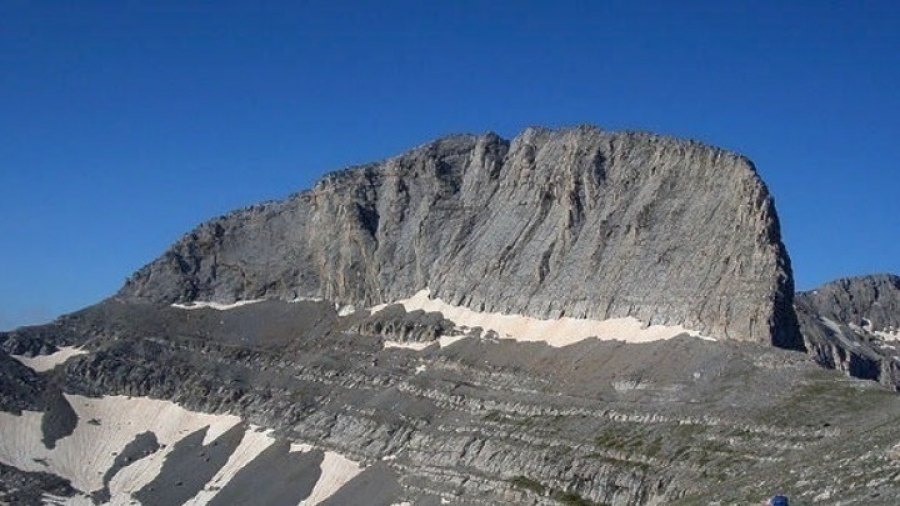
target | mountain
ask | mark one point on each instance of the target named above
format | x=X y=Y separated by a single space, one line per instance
x=573 y=317
x=581 y=223
x=853 y=324
x=871 y=302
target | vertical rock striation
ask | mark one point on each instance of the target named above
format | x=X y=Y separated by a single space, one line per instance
x=578 y=222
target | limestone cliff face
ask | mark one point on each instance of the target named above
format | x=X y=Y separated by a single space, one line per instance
x=578 y=222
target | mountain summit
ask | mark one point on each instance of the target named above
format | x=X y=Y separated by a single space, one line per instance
x=580 y=222
x=570 y=317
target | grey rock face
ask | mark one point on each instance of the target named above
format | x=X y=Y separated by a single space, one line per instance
x=852 y=324
x=578 y=222
x=866 y=301
x=20 y=387
x=393 y=323
x=30 y=488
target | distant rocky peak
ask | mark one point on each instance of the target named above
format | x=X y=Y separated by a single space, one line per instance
x=870 y=302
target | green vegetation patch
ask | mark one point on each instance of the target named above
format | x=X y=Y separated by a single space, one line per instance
x=527 y=483
x=572 y=499
x=566 y=498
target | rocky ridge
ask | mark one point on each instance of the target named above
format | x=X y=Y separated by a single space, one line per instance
x=870 y=302
x=853 y=325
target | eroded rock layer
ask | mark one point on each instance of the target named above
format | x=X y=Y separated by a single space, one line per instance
x=270 y=402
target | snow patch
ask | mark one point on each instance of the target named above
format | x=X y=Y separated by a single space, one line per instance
x=337 y=470
x=346 y=310
x=106 y=425
x=409 y=345
x=218 y=306
x=308 y=299
x=557 y=333
x=445 y=341
x=43 y=363
x=77 y=500
x=888 y=335
x=442 y=342
x=300 y=447
x=254 y=442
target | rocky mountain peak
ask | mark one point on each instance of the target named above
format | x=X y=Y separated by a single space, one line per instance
x=866 y=301
x=578 y=222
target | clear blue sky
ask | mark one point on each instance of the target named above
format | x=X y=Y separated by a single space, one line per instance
x=123 y=124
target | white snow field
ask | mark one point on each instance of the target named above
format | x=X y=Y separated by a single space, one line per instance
x=336 y=472
x=887 y=335
x=252 y=444
x=43 y=363
x=442 y=342
x=106 y=425
x=218 y=306
x=557 y=333
x=410 y=345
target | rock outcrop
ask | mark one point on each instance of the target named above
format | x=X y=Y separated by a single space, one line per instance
x=871 y=302
x=579 y=222
x=853 y=324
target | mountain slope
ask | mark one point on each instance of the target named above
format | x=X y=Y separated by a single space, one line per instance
x=479 y=421
x=868 y=301
x=853 y=324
